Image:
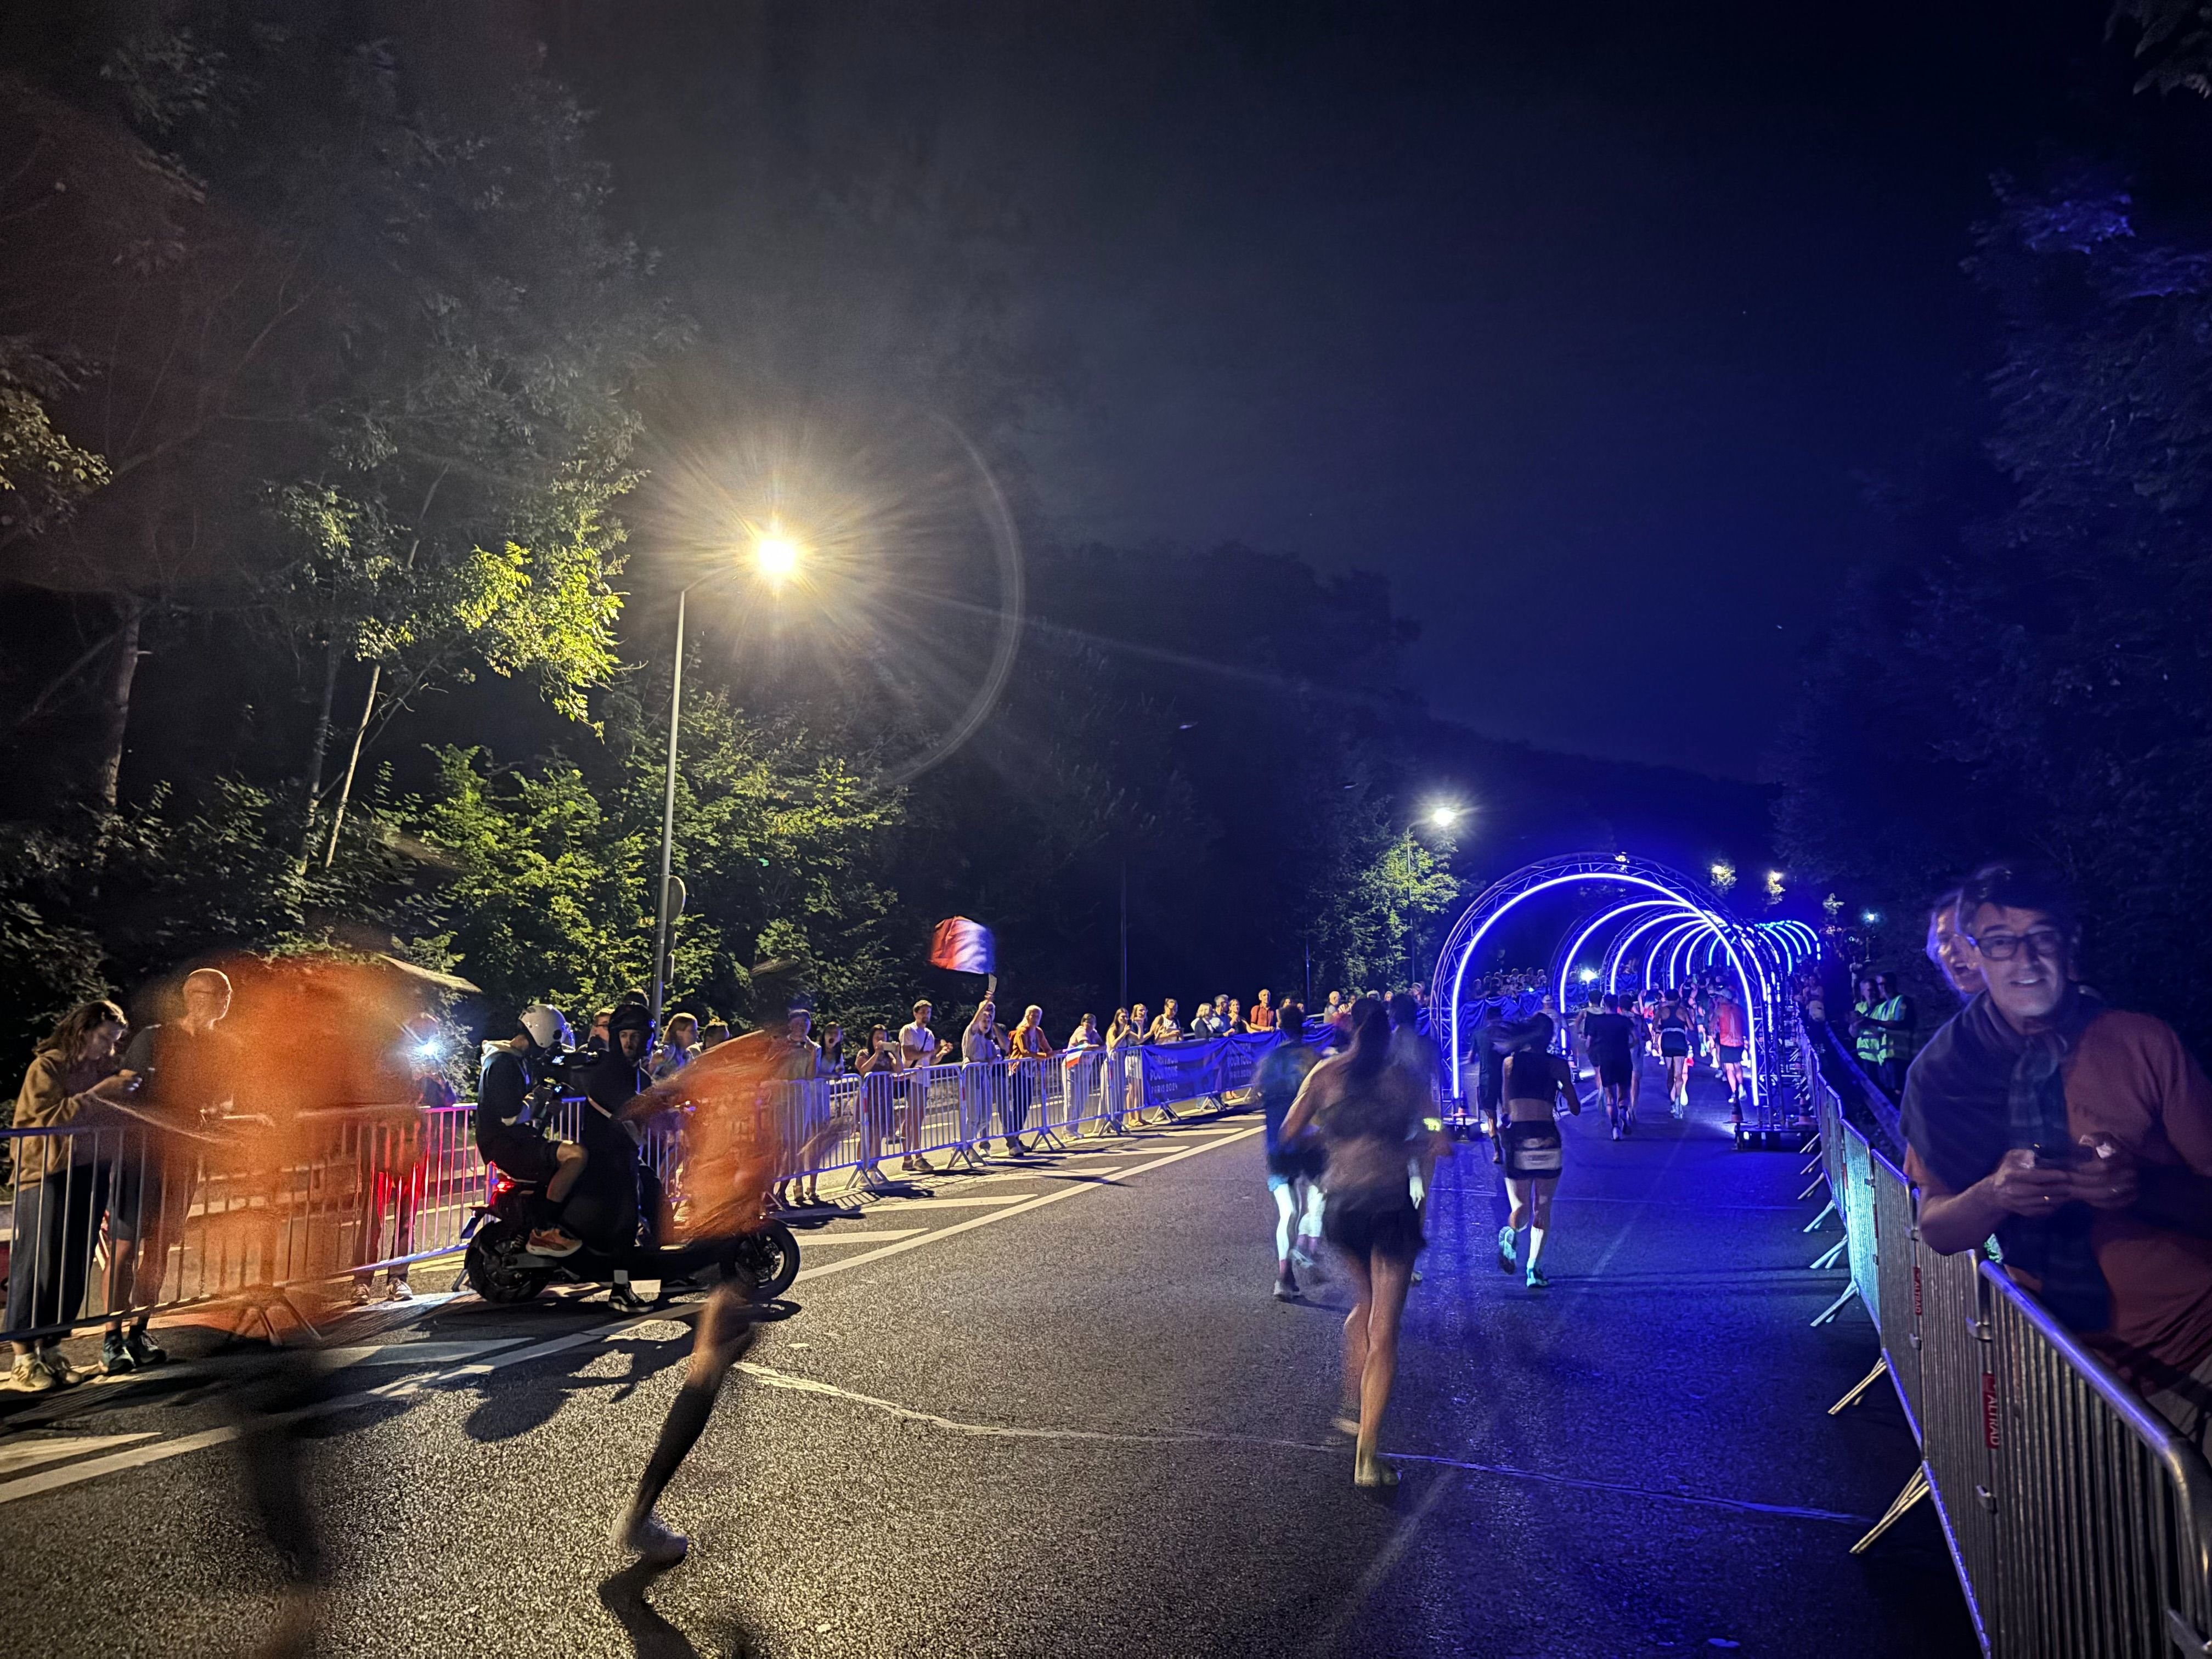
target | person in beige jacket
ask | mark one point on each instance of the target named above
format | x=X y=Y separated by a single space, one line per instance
x=61 y=1183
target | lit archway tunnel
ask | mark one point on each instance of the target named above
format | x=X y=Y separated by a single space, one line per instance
x=1631 y=911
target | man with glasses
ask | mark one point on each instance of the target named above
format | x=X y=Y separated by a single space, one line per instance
x=2042 y=1116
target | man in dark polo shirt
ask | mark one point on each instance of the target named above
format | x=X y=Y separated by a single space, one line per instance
x=2041 y=1115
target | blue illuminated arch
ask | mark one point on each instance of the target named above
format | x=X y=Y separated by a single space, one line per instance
x=1697 y=909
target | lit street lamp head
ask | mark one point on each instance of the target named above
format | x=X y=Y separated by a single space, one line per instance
x=777 y=557
x=1444 y=815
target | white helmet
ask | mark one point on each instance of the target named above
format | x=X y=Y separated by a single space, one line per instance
x=547 y=1029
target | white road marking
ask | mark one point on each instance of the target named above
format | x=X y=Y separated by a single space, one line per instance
x=909 y=1206
x=404 y=1388
x=30 y=1454
x=812 y=1240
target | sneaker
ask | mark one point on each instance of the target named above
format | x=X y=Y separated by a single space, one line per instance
x=399 y=1291
x=552 y=1241
x=626 y=1300
x=30 y=1376
x=65 y=1375
x=145 y=1352
x=1286 y=1285
x=641 y=1533
x=1616 y=1132
x=1537 y=1281
x=115 y=1358
x=1507 y=1260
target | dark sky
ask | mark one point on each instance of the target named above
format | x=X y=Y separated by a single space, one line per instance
x=1584 y=326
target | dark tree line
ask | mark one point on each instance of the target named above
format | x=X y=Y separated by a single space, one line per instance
x=2031 y=672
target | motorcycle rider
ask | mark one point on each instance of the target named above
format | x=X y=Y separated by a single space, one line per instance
x=512 y=1071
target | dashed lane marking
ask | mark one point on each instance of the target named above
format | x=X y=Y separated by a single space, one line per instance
x=30 y=1454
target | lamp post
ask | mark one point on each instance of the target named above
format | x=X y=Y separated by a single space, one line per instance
x=776 y=555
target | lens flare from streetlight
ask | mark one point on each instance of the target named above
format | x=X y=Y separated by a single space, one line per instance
x=1444 y=815
x=777 y=557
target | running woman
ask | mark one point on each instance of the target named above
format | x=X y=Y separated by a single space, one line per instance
x=1282 y=1072
x=1672 y=1030
x=1729 y=1039
x=1535 y=1081
x=1369 y=1114
x=1611 y=1038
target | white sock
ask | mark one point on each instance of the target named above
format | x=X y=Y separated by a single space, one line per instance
x=1535 y=1246
x=1285 y=1213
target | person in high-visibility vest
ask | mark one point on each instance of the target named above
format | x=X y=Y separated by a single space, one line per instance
x=1866 y=1036
x=1893 y=1020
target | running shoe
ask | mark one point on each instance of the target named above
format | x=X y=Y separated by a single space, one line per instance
x=644 y=1535
x=552 y=1241
x=399 y=1291
x=115 y=1358
x=1537 y=1281
x=1373 y=1472
x=626 y=1300
x=1286 y=1285
x=1616 y=1132
x=1507 y=1260
x=145 y=1350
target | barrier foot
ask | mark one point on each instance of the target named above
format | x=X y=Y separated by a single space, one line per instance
x=1837 y=1306
x=1812 y=1189
x=1810 y=1167
x=1047 y=1138
x=1826 y=1259
x=1813 y=1225
x=1812 y=1146
x=1858 y=1390
x=1915 y=1490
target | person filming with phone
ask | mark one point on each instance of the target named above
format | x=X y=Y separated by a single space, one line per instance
x=2045 y=1117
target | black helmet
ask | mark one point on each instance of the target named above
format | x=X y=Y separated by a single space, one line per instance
x=628 y=1016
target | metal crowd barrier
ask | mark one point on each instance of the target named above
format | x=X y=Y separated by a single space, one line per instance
x=207 y=1217
x=2079 y=1521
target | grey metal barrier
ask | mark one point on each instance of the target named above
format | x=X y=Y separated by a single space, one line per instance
x=2079 y=1522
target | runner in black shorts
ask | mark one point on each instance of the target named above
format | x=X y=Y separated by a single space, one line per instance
x=1674 y=1048
x=1611 y=1038
x=1536 y=1080
x=1281 y=1073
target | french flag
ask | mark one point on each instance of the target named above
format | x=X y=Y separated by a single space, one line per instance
x=963 y=945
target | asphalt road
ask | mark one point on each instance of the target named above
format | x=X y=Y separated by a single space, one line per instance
x=1056 y=1412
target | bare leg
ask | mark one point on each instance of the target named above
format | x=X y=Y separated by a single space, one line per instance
x=1286 y=1213
x=570 y=1159
x=1355 y=1341
x=1387 y=1279
x=1539 y=1217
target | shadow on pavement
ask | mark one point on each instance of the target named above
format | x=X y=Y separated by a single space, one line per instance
x=653 y=1636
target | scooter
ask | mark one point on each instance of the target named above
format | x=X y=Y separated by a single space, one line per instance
x=500 y=1268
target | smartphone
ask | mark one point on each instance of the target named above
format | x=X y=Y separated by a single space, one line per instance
x=2053 y=1157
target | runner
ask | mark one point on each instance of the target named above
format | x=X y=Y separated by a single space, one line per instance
x=730 y=1155
x=1632 y=1009
x=1611 y=1039
x=1729 y=1039
x=1535 y=1079
x=1367 y=1113
x=1672 y=1030
x=1282 y=1071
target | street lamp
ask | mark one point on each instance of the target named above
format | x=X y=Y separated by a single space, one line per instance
x=1444 y=815
x=776 y=556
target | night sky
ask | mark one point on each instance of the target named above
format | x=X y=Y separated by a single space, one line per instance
x=1587 y=328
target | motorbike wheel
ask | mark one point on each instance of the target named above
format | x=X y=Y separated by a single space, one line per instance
x=771 y=1256
x=502 y=1271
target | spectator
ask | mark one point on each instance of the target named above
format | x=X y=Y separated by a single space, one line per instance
x=1205 y=1024
x=61 y=1183
x=1087 y=1034
x=878 y=1068
x=807 y=1113
x=1141 y=1022
x=919 y=1042
x=678 y=1049
x=1031 y=1050
x=1238 y=1025
x=390 y=1163
x=181 y=1071
x=982 y=1078
x=716 y=1033
x=832 y=1045
x=602 y=1033
x=2034 y=1113
x=1948 y=950
x=1167 y=1027
x=1263 y=1016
